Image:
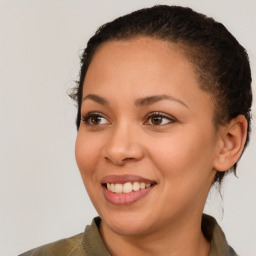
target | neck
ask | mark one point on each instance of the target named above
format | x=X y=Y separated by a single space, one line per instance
x=177 y=239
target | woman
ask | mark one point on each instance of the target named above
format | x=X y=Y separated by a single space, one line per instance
x=164 y=102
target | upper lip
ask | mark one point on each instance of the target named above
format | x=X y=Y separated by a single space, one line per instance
x=121 y=179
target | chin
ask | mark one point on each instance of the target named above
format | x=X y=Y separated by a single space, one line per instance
x=127 y=228
x=128 y=223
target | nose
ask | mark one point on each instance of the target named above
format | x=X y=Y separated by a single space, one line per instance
x=123 y=145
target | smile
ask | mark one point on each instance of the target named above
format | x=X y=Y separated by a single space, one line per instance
x=127 y=187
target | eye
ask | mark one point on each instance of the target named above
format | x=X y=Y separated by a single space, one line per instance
x=94 y=119
x=158 y=118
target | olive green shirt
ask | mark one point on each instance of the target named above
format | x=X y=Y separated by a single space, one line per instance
x=90 y=242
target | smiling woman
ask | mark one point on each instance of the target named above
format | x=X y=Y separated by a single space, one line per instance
x=164 y=103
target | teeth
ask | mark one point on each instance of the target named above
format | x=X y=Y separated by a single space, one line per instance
x=112 y=187
x=136 y=186
x=118 y=188
x=127 y=187
x=142 y=185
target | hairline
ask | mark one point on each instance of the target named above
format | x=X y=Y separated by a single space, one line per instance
x=184 y=49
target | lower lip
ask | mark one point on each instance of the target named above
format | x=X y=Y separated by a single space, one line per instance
x=125 y=198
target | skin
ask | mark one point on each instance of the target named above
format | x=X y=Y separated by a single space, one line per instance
x=179 y=154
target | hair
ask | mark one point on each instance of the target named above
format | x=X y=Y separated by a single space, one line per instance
x=220 y=62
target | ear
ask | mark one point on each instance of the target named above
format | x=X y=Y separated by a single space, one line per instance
x=232 y=138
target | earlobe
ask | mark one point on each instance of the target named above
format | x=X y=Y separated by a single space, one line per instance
x=231 y=143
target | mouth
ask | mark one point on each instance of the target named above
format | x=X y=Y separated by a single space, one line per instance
x=126 y=189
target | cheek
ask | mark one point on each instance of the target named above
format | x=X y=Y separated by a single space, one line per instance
x=87 y=153
x=184 y=160
x=185 y=168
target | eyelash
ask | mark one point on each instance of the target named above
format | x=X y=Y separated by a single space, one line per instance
x=87 y=119
x=161 y=115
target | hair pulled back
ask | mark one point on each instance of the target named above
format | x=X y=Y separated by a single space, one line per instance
x=220 y=62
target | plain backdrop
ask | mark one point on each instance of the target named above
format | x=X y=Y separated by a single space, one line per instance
x=42 y=198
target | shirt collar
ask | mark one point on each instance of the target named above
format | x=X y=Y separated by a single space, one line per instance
x=94 y=245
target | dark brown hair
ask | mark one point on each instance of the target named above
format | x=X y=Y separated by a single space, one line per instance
x=220 y=62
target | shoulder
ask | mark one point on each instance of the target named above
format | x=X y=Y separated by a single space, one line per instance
x=71 y=246
x=213 y=233
x=88 y=243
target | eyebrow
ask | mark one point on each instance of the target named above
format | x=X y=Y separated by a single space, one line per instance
x=96 y=98
x=139 y=102
x=152 y=99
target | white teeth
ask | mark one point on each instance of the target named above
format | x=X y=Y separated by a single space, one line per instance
x=112 y=187
x=118 y=188
x=127 y=187
x=136 y=186
x=142 y=185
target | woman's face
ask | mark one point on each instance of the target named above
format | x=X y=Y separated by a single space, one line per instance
x=147 y=127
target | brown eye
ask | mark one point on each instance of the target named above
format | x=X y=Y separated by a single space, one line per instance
x=156 y=120
x=94 y=119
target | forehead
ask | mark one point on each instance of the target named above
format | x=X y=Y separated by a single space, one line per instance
x=139 y=48
x=133 y=58
x=143 y=67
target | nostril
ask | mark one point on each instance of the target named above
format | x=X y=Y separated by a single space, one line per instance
x=120 y=152
x=129 y=159
x=114 y=161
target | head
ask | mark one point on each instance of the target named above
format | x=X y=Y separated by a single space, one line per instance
x=219 y=61
x=163 y=99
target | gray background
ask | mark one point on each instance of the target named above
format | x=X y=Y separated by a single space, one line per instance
x=42 y=197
